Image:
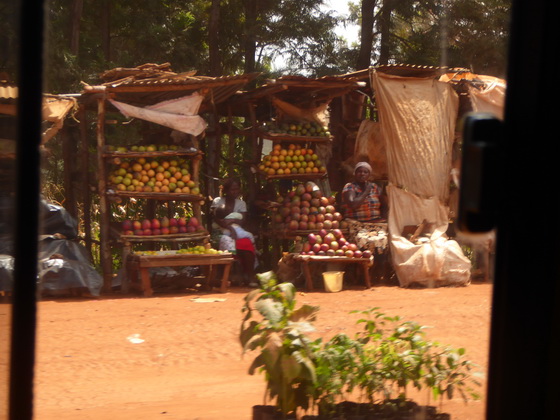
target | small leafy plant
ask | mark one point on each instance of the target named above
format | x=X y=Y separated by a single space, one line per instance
x=380 y=363
x=274 y=325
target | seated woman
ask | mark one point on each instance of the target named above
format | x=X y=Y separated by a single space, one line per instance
x=363 y=205
x=228 y=209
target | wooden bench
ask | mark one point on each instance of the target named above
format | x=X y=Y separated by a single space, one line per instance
x=305 y=260
x=139 y=265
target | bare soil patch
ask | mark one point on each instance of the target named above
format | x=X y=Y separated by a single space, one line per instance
x=171 y=357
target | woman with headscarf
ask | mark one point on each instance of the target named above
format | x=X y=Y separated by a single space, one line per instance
x=363 y=204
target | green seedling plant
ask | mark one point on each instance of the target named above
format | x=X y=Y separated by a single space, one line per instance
x=337 y=370
x=278 y=330
x=406 y=358
x=379 y=363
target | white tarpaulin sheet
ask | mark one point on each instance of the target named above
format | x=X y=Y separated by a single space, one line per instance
x=179 y=114
x=418 y=117
x=491 y=99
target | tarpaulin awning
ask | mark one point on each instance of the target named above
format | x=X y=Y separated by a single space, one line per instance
x=179 y=114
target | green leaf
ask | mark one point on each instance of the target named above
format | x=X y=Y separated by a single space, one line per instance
x=248 y=332
x=267 y=279
x=253 y=343
x=270 y=310
x=257 y=362
x=271 y=350
x=305 y=312
x=290 y=367
x=289 y=291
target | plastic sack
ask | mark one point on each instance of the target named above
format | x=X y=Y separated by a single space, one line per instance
x=70 y=250
x=55 y=219
x=57 y=274
x=6 y=273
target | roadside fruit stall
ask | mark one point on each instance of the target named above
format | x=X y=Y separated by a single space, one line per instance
x=148 y=144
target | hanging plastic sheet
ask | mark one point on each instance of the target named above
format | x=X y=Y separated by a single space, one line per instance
x=417 y=117
x=56 y=220
x=490 y=99
x=178 y=114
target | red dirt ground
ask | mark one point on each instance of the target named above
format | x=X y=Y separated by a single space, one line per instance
x=189 y=365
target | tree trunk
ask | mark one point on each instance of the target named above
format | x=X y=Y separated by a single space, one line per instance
x=213 y=39
x=250 y=42
x=106 y=29
x=385 y=31
x=77 y=9
x=366 y=35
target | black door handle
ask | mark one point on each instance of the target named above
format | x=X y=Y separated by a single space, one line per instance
x=478 y=196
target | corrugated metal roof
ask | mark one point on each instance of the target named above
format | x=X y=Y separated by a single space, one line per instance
x=8 y=92
x=151 y=84
x=404 y=70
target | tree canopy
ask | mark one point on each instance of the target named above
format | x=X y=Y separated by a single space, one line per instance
x=215 y=37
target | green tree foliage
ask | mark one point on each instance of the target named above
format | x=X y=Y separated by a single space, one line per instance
x=8 y=39
x=456 y=33
x=122 y=34
x=86 y=37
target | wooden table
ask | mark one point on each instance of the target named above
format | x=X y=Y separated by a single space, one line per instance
x=140 y=264
x=366 y=263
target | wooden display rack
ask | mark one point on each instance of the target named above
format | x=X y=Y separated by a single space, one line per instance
x=107 y=195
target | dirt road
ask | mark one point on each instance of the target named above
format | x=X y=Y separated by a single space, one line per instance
x=171 y=357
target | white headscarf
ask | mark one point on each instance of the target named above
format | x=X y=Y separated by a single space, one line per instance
x=363 y=165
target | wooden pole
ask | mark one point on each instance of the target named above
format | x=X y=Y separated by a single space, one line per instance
x=86 y=192
x=104 y=223
x=254 y=156
x=68 y=153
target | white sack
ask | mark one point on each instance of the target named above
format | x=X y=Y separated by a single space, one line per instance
x=441 y=261
x=178 y=114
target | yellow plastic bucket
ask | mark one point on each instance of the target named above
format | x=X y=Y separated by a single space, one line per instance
x=333 y=280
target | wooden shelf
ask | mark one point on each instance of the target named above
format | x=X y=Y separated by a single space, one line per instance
x=303 y=177
x=172 y=237
x=321 y=258
x=154 y=154
x=298 y=139
x=184 y=259
x=156 y=196
x=290 y=234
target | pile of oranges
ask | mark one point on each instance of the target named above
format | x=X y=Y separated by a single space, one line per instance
x=153 y=175
x=291 y=160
